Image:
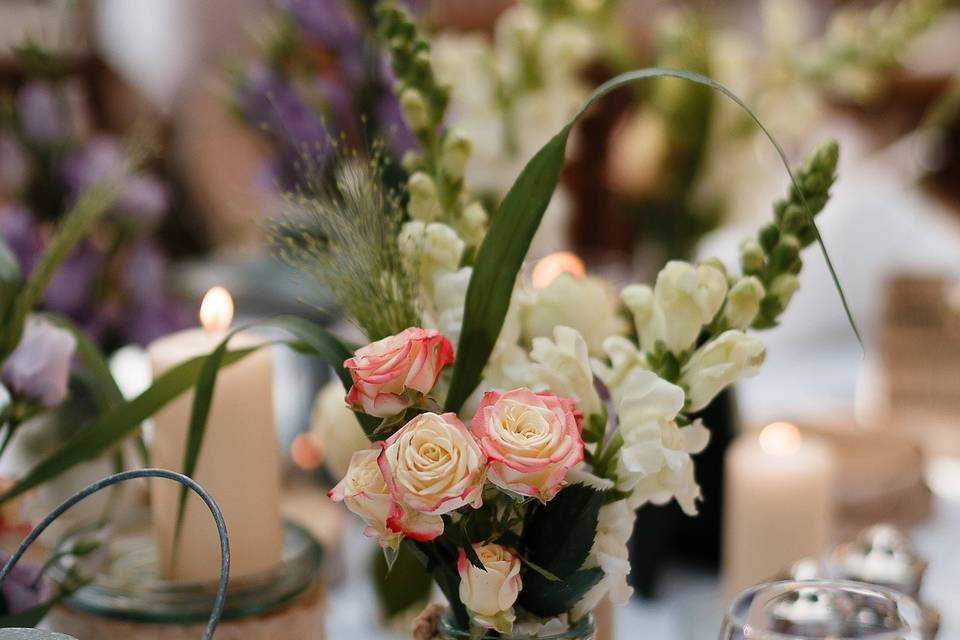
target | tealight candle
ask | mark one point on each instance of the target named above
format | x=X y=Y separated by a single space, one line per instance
x=549 y=267
x=239 y=462
x=777 y=504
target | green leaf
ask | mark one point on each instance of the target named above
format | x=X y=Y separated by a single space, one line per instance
x=560 y=534
x=9 y=278
x=77 y=223
x=94 y=372
x=508 y=238
x=110 y=428
x=547 y=598
x=498 y=261
x=331 y=349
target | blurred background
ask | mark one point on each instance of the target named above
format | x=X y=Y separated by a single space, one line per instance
x=249 y=95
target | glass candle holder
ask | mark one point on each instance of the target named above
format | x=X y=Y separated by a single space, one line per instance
x=822 y=610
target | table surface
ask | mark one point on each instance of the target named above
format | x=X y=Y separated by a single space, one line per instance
x=688 y=607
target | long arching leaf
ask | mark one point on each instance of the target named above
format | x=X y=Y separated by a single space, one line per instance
x=505 y=246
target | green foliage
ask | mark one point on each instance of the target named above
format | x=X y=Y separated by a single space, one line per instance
x=503 y=250
x=545 y=598
x=403 y=587
x=344 y=234
x=559 y=534
x=9 y=279
x=498 y=261
x=557 y=538
x=112 y=427
x=775 y=256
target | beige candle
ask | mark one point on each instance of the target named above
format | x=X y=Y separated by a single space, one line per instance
x=239 y=461
x=777 y=504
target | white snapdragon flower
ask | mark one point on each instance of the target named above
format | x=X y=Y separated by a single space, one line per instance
x=433 y=247
x=610 y=553
x=585 y=304
x=623 y=357
x=685 y=298
x=675 y=479
x=654 y=462
x=743 y=302
x=449 y=297
x=717 y=364
x=562 y=366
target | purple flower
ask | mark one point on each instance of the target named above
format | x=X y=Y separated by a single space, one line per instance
x=97 y=160
x=40 y=365
x=14 y=165
x=22 y=590
x=71 y=287
x=394 y=130
x=21 y=235
x=327 y=22
x=43 y=114
x=144 y=197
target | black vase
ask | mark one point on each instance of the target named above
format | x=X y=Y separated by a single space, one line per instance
x=666 y=534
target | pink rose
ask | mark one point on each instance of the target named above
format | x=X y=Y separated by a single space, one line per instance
x=385 y=370
x=531 y=440
x=432 y=466
x=365 y=493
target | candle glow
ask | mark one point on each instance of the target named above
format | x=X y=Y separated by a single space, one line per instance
x=216 y=310
x=780 y=439
x=551 y=266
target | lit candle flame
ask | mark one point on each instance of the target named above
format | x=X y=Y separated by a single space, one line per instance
x=551 y=266
x=216 y=310
x=780 y=439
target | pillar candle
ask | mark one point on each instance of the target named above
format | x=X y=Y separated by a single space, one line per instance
x=239 y=462
x=777 y=504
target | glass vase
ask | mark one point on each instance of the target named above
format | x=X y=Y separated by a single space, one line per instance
x=822 y=610
x=448 y=629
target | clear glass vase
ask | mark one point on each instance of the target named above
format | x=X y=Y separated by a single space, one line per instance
x=450 y=630
x=821 y=610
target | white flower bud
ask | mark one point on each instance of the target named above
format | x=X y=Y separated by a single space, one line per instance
x=424 y=200
x=751 y=256
x=743 y=302
x=716 y=263
x=411 y=161
x=784 y=286
x=638 y=298
x=717 y=364
x=414 y=108
x=473 y=223
x=434 y=247
x=456 y=153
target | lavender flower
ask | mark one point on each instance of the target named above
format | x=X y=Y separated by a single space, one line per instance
x=21 y=234
x=43 y=116
x=328 y=22
x=40 y=365
x=22 y=590
x=71 y=287
x=14 y=165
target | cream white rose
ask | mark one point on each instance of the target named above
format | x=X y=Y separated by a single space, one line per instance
x=685 y=298
x=364 y=491
x=563 y=367
x=585 y=304
x=717 y=364
x=431 y=465
x=489 y=593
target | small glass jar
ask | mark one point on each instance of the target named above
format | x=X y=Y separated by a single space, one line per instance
x=822 y=609
x=129 y=597
x=450 y=630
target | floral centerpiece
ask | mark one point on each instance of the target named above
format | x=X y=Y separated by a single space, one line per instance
x=518 y=491
x=510 y=465
x=52 y=149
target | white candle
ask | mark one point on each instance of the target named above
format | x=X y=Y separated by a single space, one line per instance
x=239 y=461
x=777 y=506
